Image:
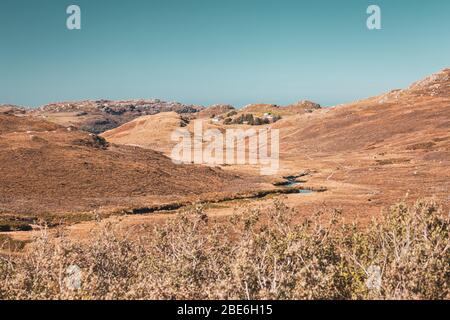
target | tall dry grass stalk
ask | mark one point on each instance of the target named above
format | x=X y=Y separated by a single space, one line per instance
x=259 y=254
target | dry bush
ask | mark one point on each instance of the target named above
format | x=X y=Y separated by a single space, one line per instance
x=259 y=254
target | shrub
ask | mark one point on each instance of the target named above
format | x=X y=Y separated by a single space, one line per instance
x=258 y=254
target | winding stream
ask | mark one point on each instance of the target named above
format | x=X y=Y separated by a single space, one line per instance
x=292 y=182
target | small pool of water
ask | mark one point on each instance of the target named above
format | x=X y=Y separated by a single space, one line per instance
x=292 y=182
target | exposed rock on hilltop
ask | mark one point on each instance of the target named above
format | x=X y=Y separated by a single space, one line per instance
x=102 y=115
x=414 y=115
x=437 y=84
x=305 y=105
x=300 y=107
x=11 y=109
x=215 y=110
x=261 y=114
x=144 y=107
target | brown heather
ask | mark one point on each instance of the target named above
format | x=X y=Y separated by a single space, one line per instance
x=260 y=254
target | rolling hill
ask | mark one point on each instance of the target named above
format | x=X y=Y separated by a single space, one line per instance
x=368 y=153
x=47 y=168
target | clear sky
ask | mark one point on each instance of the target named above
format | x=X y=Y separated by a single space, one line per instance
x=217 y=51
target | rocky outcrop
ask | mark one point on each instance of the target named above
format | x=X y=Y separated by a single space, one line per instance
x=143 y=107
x=437 y=84
x=102 y=115
x=215 y=110
x=306 y=105
x=11 y=109
x=300 y=107
x=250 y=119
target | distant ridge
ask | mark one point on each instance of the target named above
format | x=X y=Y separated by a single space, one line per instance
x=97 y=116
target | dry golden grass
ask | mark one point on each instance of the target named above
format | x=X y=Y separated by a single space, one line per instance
x=189 y=258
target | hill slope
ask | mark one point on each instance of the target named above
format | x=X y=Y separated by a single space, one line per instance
x=375 y=151
x=151 y=132
x=393 y=121
x=47 y=168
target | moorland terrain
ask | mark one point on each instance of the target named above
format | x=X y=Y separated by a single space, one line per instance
x=66 y=164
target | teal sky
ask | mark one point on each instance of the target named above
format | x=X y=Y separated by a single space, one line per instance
x=216 y=51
